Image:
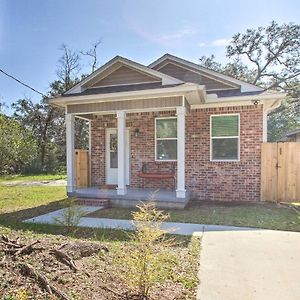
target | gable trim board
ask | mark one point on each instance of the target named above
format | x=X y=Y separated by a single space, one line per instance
x=245 y=87
x=166 y=79
x=201 y=73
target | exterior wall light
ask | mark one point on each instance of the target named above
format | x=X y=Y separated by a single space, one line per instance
x=255 y=102
x=136 y=132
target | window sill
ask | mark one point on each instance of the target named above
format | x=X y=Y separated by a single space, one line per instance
x=225 y=160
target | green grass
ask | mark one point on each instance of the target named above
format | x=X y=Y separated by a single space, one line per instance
x=267 y=215
x=18 y=203
x=34 y=177
x=13 y=198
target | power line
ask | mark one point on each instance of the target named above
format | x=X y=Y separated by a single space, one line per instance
x=19 y=81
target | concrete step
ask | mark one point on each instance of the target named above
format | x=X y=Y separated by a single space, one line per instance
x=93 y=202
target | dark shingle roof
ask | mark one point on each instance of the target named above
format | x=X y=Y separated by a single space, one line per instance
x=121 y=88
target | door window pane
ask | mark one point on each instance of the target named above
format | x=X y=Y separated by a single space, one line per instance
x=113 y=159
x=113 y=148
x=113 y=142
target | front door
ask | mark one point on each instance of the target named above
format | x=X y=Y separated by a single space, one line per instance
x=111 y=156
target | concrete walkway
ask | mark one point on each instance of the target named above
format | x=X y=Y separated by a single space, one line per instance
x=173 y=227
x=250 y=265
x=235 y=263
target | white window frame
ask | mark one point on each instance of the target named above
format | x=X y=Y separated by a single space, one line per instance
x=226 y=137
x=160 y=139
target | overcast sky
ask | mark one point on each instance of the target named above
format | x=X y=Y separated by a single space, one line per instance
x=32 y=31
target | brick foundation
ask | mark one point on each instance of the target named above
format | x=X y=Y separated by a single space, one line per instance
x=221 y=181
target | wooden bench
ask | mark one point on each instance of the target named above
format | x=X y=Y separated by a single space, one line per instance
x=153 y=170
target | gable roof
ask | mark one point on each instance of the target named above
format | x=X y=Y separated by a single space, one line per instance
x=245 y=87
x=115 y=64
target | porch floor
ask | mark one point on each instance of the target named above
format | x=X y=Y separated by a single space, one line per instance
x=162 y=198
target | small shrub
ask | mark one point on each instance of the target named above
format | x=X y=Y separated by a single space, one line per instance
x=149 y=260
x=22 y=294
x=71 y=215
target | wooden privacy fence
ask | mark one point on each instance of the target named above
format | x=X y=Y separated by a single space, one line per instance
x=280 y=172
x=82 y=168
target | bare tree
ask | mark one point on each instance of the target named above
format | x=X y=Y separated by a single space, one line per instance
x=93 y=54
x=69 y=66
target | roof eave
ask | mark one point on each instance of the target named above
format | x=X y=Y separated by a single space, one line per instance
x=130 y=95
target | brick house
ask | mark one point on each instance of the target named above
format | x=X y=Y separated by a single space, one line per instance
x=174 y=127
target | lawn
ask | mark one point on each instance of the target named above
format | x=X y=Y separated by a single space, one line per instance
x=34 y=177
x=99 y=275
x=262 y=215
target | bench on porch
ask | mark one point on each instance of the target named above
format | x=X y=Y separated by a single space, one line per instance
x=157 y=171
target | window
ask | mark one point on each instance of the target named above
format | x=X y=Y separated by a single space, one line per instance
x=166 y=138
x=225 y=137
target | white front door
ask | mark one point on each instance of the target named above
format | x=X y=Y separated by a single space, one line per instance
x=111 y=156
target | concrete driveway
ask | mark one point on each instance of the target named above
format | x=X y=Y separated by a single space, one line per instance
x=250 y=265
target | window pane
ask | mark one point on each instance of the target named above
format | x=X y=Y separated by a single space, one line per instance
x=225 y=148
x=113 y=142
x=114 y=160
x=166 y=128
x=225 y=126
x=167 y=150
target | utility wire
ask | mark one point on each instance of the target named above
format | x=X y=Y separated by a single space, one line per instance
x=20 y=82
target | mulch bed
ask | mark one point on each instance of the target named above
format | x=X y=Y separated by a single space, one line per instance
x=58 y=267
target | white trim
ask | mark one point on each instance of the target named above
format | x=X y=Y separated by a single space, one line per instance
x=162 y=139
x=180 y=191
x=233 y=85
x=70 y=149
x=166 y=79
x=121 y=132
x=90 y=152
x=108 y=180
x=226 y=137
x=245 y=87
x=82 y=118
x=130 y=95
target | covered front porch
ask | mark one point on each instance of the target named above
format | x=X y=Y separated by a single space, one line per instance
x=162 y=197
x=123 y=136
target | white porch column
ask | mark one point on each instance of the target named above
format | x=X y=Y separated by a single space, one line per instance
x=70 y=141
x=180 y=112
x=121 y=117
x=90 y=152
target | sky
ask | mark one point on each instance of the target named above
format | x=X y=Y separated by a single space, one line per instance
x=32 y=32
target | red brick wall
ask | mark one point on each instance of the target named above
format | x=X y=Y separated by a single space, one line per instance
x=227 y=181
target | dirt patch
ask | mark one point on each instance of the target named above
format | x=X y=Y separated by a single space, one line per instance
x=93 y=276
x=58 y=182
